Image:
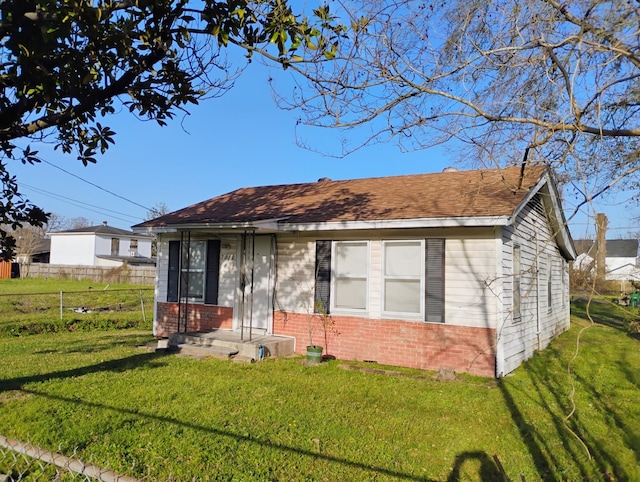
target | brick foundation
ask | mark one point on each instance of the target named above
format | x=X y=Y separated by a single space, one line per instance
x=201 y=317
x=427 y=346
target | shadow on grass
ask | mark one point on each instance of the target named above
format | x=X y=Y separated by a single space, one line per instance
x=118 y=365
x=604 y=312
x=379 y=471
x=543 y=387
x=488 y=470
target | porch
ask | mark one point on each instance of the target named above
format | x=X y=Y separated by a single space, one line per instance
x=230 y=344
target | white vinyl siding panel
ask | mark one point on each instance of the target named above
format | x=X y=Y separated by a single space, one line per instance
x=162 y=269
x=77 y=249
x=228 y=274
x=470 y=276
x=295 y=265
x=538 y=324
x=375 y=279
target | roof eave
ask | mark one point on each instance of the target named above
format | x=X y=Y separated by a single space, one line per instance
x=263 y=225
x=439 y=222
x=557 y=219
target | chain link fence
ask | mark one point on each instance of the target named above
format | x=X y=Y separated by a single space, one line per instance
x=26 y=462
x=49 y=312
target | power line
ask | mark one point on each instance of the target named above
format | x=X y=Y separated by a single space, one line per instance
x=95 y=185
x=82 y=204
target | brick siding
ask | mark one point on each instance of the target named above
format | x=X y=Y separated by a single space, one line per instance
x=201 y=317
x=428 y=346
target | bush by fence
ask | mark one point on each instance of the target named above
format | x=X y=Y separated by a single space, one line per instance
x=137 y=275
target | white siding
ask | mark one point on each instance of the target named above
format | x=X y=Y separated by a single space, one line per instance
x=228 y=276
x=539 y=322
x=470 y=294
x=76 y=249
x=470 y=271
x=295 y=277
x=144 y=247
x=103 y=246
x=162 y=269
x=375 y=278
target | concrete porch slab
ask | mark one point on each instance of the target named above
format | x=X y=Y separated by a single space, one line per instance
x=231 y=341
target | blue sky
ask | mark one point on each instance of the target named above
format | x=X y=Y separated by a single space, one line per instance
x=241 y=139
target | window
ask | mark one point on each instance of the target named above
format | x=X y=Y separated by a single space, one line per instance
x=412 y=275
x=402 y=275
x=517 y=273
x=563 y=271
x=192 y=268
x=194 y=271
x=351 y=276
x=115 y=246
x=133 y=247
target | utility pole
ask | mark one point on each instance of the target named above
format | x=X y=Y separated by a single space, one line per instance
x=601 y=247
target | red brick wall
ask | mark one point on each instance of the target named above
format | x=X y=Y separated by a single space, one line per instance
x=427 y=346
x=201 y=317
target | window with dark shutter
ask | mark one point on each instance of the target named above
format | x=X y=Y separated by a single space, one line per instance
x=174 y=271
x=323 y=277
x=213 y=271
x=434 y=280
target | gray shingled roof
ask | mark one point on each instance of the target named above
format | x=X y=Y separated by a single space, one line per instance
x=101 y=229
x=616 y=248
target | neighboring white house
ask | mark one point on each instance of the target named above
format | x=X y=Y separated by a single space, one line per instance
x=621 y=259
x=100 y=246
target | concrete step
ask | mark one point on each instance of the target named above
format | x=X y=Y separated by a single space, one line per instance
x=198 y=351
x=243 y=359
x=272 y=346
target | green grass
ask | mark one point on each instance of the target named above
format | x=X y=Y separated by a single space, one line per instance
x=32 y=306
x=167 y=418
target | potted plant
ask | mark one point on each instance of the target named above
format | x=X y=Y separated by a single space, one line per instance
x=314 y=352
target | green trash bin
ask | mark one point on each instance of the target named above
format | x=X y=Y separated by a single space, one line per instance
x=634 y=299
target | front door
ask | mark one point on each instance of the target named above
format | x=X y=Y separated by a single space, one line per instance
x=258 y=289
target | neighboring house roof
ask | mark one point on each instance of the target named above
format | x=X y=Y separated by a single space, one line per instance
x=616 y=248
x=494 y=192
x=101 y=229
x=43 y=246
x=131 y=260
x=622 y=248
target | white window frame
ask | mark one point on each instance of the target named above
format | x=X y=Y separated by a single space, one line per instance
x=202 y=271
x=334 y=277
x=516 y=285
x=421 y=277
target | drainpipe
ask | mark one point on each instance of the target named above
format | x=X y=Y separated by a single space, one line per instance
x=253 y=269
x=243 y=279
x=538 y=254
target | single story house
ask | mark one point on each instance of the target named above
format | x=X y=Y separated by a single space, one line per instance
x=101 y=245
x=460 y=269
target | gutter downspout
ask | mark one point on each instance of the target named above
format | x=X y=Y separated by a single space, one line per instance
x=537 y=290
x=243 y=279
x=500 y=316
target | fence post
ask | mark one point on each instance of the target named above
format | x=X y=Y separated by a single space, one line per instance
x=144 y=317
x=61 y=305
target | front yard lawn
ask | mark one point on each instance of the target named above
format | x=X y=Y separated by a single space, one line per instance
x=166 y=418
